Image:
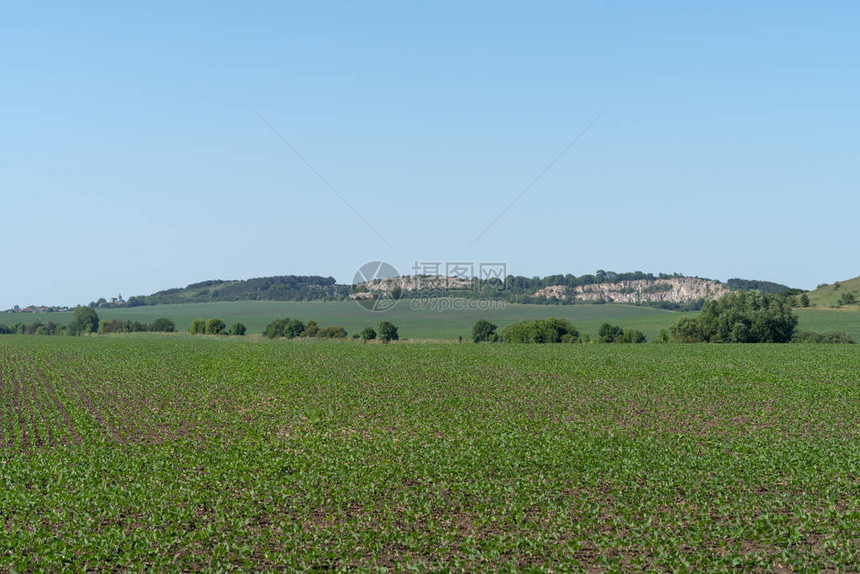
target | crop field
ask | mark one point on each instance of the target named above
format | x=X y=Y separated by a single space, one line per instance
x=184 y=453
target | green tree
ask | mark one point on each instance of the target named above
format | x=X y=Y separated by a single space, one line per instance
x=804 y=300
x=311 y=329
x=631 y=336
x=198 y=327
x=333 y=332
x=294 y=328
x=237 y=329
x=367 y=333
x=215 y=326
x=84 y=320
x=741 y=317
x=276 y=328
x=388 y=332
x=609 y=333
x=163 y=325
x=551 y=330
x=663 y=335
x=483 y=330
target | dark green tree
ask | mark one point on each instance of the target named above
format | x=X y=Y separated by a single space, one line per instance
x=215 y=326
x=311 y=329
x=238 y=329
x=609 y=333
x=276 y=328
x=483 y=330
x=631 y=336
x=198 y=327
x=388 y=332
x=294 y=328
x=163 y=325
x=741 y=317
x=550 y=330
x=804 y=300
x=367 y=333
x=84 y=320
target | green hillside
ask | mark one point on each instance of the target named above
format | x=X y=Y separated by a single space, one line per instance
x=830 y=295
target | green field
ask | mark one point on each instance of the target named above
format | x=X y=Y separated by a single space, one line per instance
x=846 y=319
x=414 y=324
x=205 y=453
x=430 y=324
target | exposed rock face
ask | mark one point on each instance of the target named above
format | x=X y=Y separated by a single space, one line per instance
x=415 y=283
x=677 y=290
x=639 y=291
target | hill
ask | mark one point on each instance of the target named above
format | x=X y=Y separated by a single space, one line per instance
x=675 y=292
x=837 y=295
x=280 y=288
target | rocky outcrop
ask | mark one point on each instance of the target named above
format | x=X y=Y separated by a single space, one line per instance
x=640 y=291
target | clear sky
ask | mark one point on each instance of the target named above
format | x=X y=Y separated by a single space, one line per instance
x=132 y=158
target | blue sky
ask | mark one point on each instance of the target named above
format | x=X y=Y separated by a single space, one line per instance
x=133 y=159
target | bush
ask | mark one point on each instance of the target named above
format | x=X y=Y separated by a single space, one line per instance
x=609 y=333
x=163 y=325
x=847 y=299
x=334 y=332
x=483 y=330
x=311 y=330
x=541 y=331
x=388 y=332
x=631 y=336
x=198 y=327
x=237 y=329
x=275 y=329
x=829 y=337
x=215 y=326
x=367 y=333
x=294 y=328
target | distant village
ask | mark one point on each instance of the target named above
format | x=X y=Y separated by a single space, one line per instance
x=117 y=301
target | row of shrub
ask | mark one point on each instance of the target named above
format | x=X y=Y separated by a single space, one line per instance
x=551 y=330
x=85 y=322
x=161 y=325
x=215 y=326
x=291 y=328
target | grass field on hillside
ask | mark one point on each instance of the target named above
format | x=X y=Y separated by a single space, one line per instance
x=414 y=324
x=184 y=453
x=828 y=296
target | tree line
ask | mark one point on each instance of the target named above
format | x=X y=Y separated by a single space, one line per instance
x=84 y=321
x=740 y=317
x=292 y=328
x=551 y=330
